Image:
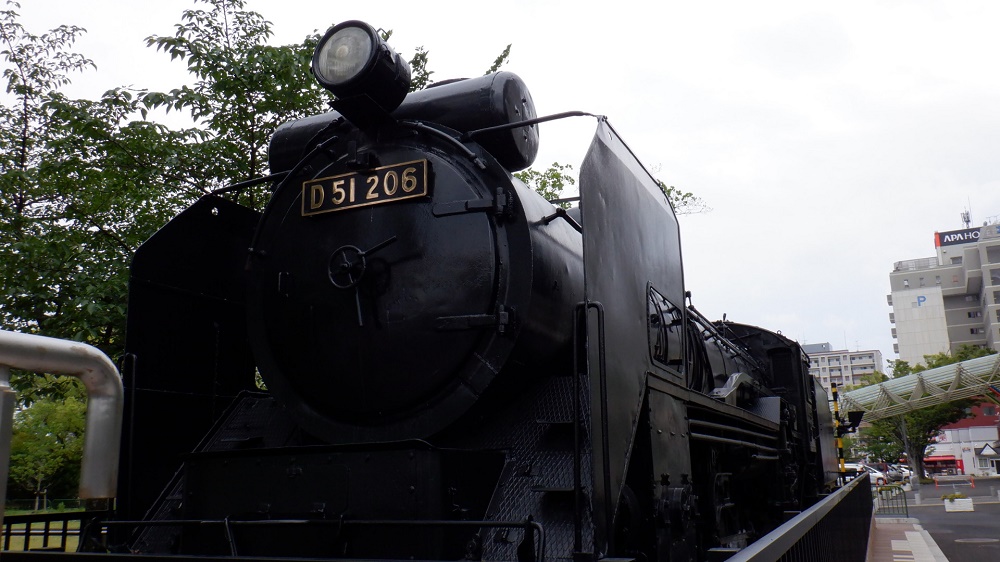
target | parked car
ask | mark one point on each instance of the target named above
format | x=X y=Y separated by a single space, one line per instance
x=904 y=471
x=851 y=471
x=877 y=476
x=893 y=474
x=890 y=471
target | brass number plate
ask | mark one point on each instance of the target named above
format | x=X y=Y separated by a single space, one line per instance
x=385 y=184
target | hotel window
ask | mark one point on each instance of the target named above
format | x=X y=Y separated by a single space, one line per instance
x=975 y=331
x=906 y=283
x=921 y=281
x=976 y=314
x=937 y=279
x=983 y=462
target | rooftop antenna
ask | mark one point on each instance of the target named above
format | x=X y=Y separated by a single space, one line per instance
x=966 y=218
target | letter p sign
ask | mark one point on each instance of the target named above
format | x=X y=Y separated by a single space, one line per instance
x=921 y=300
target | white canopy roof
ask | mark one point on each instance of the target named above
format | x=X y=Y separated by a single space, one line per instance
x=975 y=377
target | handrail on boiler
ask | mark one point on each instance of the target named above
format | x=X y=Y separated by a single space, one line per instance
x=28 y=352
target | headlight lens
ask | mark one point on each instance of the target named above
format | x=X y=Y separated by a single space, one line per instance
x=344 y=55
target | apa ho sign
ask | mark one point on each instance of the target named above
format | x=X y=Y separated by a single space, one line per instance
x=955 y=237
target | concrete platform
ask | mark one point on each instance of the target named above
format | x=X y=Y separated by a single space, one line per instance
x=902 y=540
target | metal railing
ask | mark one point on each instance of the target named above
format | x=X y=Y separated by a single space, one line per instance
x=913 y=265
x=58 y=532
x=835 y=529
x=890 y=500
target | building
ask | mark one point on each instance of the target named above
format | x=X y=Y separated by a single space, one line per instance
x=968 y=446
x=840 y=366
x=942 y=302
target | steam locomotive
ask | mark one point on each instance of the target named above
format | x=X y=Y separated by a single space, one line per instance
x=455 y=367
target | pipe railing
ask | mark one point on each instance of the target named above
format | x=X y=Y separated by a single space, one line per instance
x=39 y=354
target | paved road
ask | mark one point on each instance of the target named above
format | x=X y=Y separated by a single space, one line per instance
x=962 y=536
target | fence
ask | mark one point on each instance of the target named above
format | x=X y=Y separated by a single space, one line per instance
x=890 y=500
x=835 y=529
x=952 y=483
x=46 y=531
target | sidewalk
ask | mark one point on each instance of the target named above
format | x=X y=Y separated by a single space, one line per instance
x=902 y=540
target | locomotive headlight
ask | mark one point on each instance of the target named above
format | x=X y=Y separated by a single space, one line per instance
x=368 y=78
x=343 y=56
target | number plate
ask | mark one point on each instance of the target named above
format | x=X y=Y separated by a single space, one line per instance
x=385 y=184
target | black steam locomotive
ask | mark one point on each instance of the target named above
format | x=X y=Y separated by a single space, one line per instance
x=455 y=368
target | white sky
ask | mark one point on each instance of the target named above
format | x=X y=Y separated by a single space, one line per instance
x=829 y=141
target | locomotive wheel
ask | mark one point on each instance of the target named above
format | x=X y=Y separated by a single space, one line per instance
x=629 y=524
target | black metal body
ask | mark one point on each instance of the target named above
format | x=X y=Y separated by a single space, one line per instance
x=456 y=369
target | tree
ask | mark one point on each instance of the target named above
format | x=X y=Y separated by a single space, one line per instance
x=244 y=90
x=87 y=183
x=46 y=284
x=880 y=443
x=850 y=446
x=35 y=66
x=963 y=353
x=47 y=448
x=549 y=183
x=684 y=202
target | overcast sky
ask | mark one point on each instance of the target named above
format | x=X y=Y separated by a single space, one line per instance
x=830 y=142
